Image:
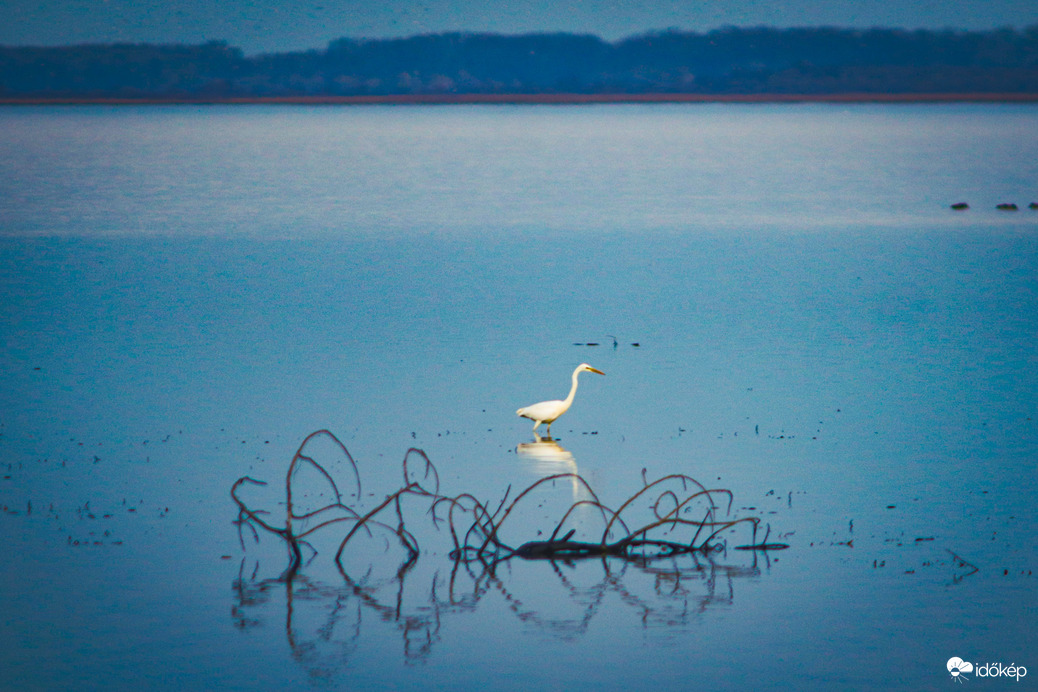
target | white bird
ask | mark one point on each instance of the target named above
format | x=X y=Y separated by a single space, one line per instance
x=549 y=411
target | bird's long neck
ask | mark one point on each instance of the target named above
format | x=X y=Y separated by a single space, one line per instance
x=573 y=389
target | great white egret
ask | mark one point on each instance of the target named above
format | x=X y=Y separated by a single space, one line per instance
x=549 y=411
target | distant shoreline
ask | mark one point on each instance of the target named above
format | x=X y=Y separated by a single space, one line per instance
x=525 y=99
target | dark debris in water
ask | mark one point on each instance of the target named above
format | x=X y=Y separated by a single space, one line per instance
x=85 y=524
x=1001 y=206
x=616 y=344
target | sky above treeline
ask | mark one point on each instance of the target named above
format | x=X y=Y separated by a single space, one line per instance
x=261 y=26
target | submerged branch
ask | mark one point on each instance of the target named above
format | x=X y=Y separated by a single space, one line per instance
x=475 y=530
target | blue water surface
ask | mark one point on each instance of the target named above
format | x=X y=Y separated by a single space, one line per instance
x=782 y=301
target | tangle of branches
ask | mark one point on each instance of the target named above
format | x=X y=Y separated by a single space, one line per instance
x=677 y=503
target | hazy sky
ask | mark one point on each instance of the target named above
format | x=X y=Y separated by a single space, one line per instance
x=279 y=25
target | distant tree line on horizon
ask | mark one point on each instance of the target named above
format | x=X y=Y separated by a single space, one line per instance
x=725 y=61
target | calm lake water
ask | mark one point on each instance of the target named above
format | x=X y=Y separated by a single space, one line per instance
x=783 y=303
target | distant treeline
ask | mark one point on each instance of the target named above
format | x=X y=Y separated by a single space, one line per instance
x=727 y=61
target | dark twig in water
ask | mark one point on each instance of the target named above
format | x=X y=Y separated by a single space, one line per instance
x=763 y=545
x=475 y=530
x=963 y=563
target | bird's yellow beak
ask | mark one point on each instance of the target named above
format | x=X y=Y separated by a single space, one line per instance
x=595 y=370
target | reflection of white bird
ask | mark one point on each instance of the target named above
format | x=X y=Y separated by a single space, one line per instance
x=546 y=457
x=549 y=411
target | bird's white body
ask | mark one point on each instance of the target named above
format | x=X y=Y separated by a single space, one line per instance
x=549 y=411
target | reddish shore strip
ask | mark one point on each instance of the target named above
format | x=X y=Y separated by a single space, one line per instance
x=532 y=99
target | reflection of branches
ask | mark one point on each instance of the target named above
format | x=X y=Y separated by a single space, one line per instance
x=324 y=625
x=668 y=594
